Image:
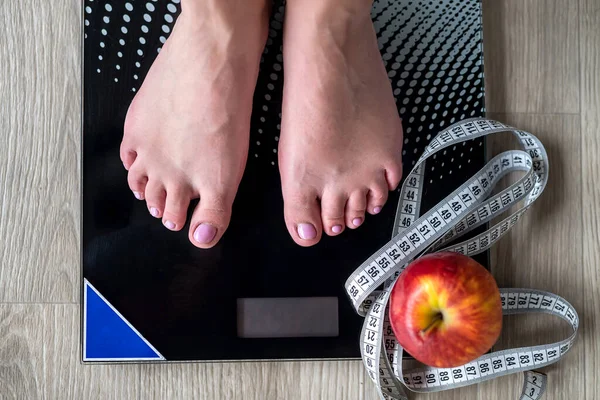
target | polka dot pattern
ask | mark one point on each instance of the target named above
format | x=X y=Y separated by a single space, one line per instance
x=431 y=50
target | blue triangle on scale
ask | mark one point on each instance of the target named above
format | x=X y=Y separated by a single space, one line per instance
x=108 y=336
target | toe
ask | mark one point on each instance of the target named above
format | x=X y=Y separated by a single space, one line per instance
x=210 y=220
x=303 y=218
x=137 y=179
x=155 y=198
x=377 y=196
x=393 y=175
x=355 y=209
x=176 y=206
x=128 y=156
x=332 y=213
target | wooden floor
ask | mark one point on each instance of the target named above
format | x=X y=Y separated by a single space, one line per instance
x=542 y=60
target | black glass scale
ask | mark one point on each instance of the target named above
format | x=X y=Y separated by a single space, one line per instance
x=148 y=294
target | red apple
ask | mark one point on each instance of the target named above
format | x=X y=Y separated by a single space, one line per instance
x=445 y=309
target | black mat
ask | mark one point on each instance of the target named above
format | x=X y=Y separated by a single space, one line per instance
x=183 y=299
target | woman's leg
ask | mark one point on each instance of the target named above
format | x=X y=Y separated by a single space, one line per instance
x=187 y=130
x=341 y=135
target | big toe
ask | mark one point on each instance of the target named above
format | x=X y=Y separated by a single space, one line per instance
x=303 y=218
x=210 y=220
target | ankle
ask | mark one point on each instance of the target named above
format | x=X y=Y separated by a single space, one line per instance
x=225 y=9
x=334 y=9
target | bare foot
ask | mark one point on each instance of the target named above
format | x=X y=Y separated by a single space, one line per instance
x=341 y=140
x=187 y=130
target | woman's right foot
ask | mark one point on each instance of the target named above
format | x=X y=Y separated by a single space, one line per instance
x=187 y=130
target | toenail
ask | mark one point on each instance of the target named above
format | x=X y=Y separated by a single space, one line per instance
x=138 y=195
x=205 y=233
x=154 y=212
x=336 y=228
x=357 y=221
x=307 y=231
x=169 y=225
x=376 y=210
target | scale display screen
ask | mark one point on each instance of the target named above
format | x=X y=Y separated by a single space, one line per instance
x=287 y=317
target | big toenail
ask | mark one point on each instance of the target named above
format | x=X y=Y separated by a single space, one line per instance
x=154 y=212
x=169 y=225
x=376 y=210
x=357 y=221
x=336 y=228
x=138 y=195
x=307 y=231
x=205 y=233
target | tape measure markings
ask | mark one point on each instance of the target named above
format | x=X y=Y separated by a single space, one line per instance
x=459 y=213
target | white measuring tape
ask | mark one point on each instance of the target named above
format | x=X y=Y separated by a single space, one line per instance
x=469 y=206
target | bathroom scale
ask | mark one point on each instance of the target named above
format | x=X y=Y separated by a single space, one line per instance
x=150 y=295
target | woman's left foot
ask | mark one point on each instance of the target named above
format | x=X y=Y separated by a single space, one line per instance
x=341 y=135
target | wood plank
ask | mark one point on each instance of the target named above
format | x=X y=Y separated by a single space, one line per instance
x=590 y=123
x=531 y=56
x=247 y=381
x=21 y=351
x=39 y=147
x=544 y=251
x=66 y=377
x=464 y=393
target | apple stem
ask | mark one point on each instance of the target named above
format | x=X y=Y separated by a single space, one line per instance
x=438 y=317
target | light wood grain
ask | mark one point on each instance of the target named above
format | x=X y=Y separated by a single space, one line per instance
x=39 y=147
x=66 y=377
x=465 y=393
x=532 y=64
x=590 y=127
x=531 y=56
x=260 y=381
x=21 y=351
x=544 y=251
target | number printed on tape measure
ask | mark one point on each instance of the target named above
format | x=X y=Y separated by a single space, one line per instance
x=431 y=378
x=560 y=307
x=534 y=378
x=406 y=220
x=384 y=261
x=407 y=380
x=535 y=301
x=512 y=301
x=394 y=253
x=436 y=221
x=405 y=245
x=539 y=357
x=512 y=361
x=532 y=390
x=426 y=230
x=459 y=374
x=498 y=364
x=445 y=376
x=472 y=371
x=363 y=279
x=485 y=367
x=371 y=336
x=523 y=300
x=446 y=212
x=547 y=302
x=418 y=380
x=553 y=353
x=525 y=359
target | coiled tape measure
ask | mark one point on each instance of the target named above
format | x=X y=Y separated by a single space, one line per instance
x=414 y=234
